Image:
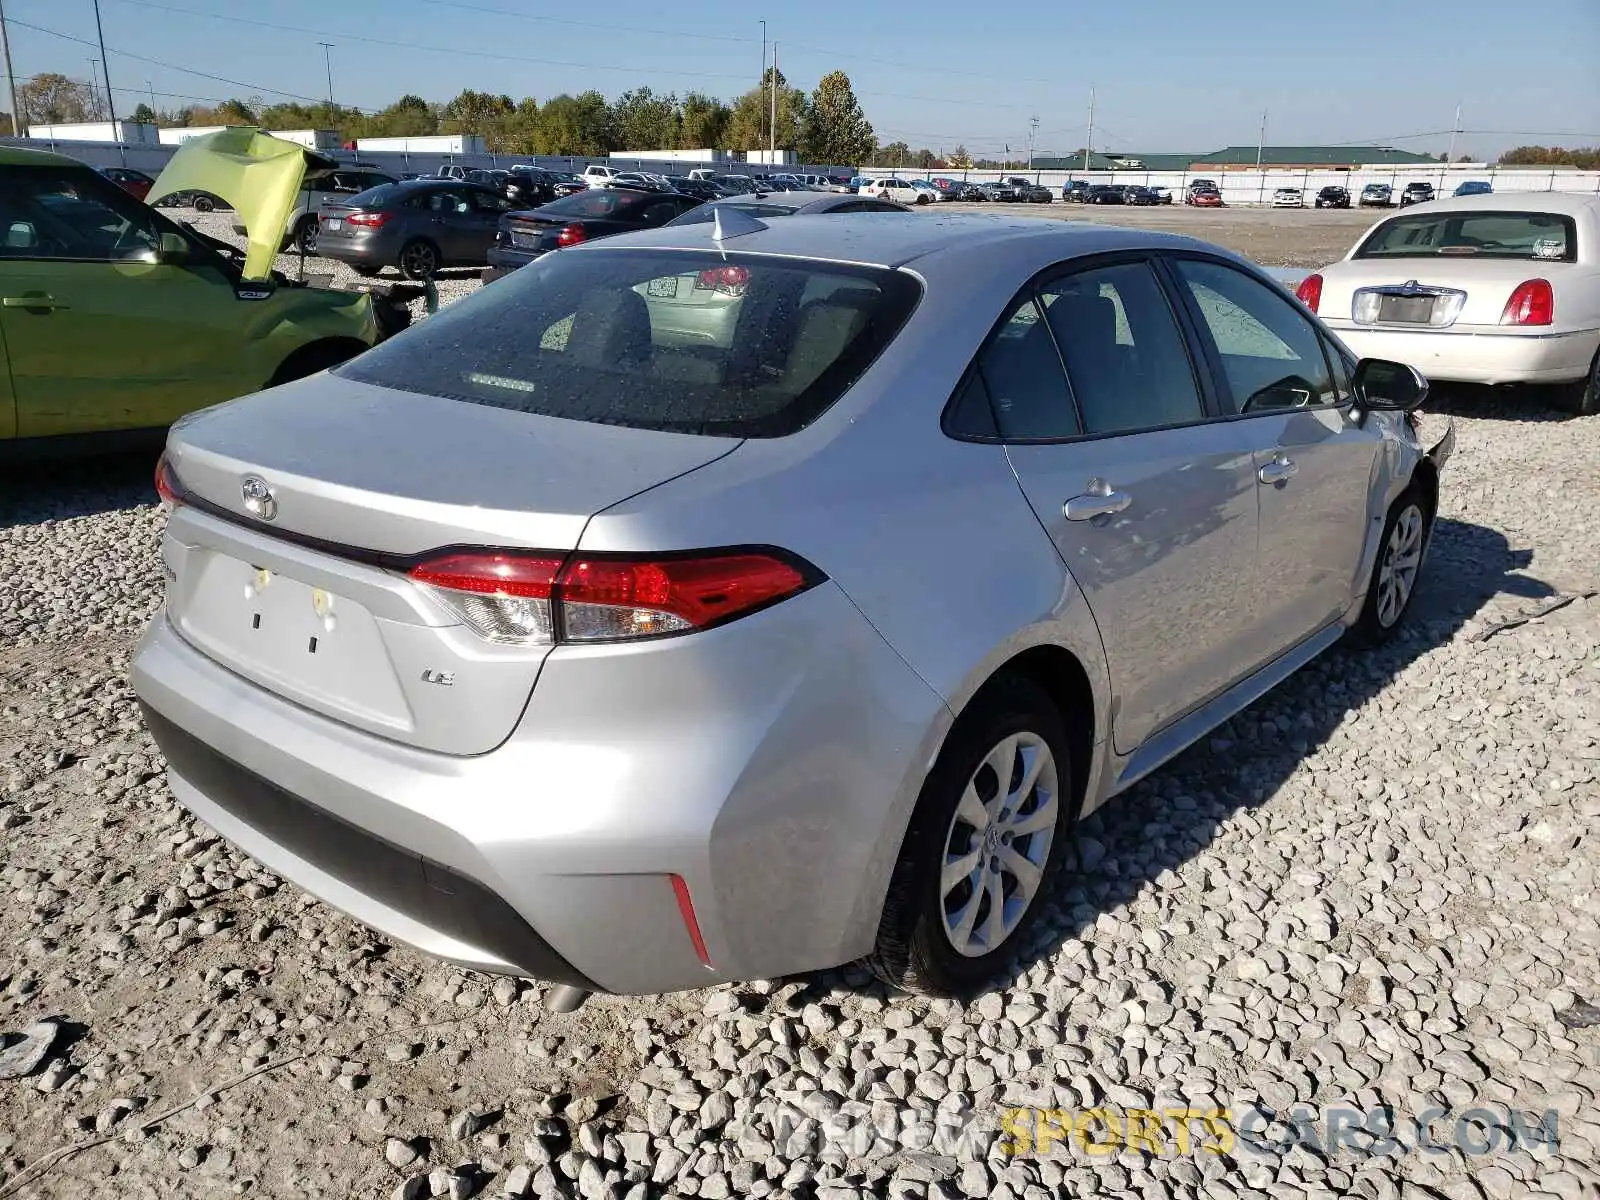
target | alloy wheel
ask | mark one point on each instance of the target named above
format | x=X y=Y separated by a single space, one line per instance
x=998 y=843
x=1402 y=556
x=419 y=260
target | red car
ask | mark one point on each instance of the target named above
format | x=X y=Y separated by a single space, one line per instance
x=1206 y=199
x=135 y=183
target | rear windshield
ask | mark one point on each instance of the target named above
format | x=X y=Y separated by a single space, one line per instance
x=755 y=208
x=1547 y=237
x=702 y=342
x=375 y=197
x=596 y=202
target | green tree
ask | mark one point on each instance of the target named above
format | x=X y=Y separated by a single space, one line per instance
x=641 y=120
x=1544 y=156
x=409 y=116
x=575 y=125
x=702 y=122
x=235 y=112
x=835 y=130
x=959 y=159
x=748 y=127
x=895 y=154
x=51 y=99
x=144 y=115
x=480 y=114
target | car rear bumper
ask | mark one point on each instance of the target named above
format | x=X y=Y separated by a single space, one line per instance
x=774 y=782
x=1464 y=357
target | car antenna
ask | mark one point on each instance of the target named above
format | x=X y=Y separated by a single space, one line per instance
x=731 y=223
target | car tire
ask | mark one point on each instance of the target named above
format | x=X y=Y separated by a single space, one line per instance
x=1583 y=397
x=305 y=234
x=419 y=259
x=939 y=941
x=203 y=204
x=365 y=270
x=1397 y=569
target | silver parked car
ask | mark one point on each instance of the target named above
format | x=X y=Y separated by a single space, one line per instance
x=557 y=640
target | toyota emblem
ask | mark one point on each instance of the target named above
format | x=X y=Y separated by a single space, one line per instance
x=259 y=501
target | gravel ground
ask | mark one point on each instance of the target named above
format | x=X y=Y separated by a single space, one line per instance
x=1376 y=887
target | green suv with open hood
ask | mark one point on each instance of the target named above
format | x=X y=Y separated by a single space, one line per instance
x=114 y=320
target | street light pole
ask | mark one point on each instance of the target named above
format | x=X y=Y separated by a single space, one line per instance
x=327 y=58
x=772 y=142
x=763 y=74
x=11 y=79
x=105 y=73
x=1088 y=144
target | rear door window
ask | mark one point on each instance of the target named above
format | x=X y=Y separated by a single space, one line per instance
x=691 y=342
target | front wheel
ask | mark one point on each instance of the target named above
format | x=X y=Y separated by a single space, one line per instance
x=983 y=847
x=204 y=204
x=1397 y=570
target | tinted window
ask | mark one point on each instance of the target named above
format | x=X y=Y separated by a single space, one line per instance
x=491 y=202
x=755 y=208
x=73 y=215
x=856 y=206
x=1021 y=372
x=1125 y=355
x=376 y=197
x=595 y=202
x=707 y=343
x=1544 y=236
x=1271 y=355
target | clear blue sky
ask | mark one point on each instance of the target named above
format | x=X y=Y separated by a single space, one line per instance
x=1168 y=74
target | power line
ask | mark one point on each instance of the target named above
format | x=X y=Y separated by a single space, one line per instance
x=523 y=16
x=249 y=87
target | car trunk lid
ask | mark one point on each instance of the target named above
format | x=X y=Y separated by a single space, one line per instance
x=1429 y=291
x=305 y=506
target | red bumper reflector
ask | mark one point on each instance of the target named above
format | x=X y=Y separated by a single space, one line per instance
x=690 y=922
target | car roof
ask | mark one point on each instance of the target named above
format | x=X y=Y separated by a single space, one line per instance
x=1570 y=204
x=932 y=240
x=17 y=156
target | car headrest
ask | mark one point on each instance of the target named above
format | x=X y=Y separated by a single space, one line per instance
x=610 y=329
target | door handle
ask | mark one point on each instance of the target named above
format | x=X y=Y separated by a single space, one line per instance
x=1100 y=500
x=1279 y=471
x=36 y=301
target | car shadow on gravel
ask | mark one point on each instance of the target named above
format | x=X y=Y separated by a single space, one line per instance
x=1507 y=402
x=1132 y=842
x=61 y=490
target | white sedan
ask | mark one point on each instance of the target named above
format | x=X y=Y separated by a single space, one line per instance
x=1287 y=197
x=893 y=189
x=1502 y=288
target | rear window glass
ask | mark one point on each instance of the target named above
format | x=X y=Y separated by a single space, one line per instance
x=375 y=196
x=1547 y=237
x=699 y=342
x=595 y=202
x=755 y=208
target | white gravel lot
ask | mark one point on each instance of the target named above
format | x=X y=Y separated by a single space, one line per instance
x=1376 y=887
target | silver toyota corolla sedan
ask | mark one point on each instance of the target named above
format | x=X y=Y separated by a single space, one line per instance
x=573 y=635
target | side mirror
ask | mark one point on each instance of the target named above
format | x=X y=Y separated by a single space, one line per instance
x=175 y=250
x=1388 y=386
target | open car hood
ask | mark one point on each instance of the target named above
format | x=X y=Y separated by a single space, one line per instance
x=257 y=174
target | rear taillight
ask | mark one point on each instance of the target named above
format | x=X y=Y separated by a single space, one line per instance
x=167 y=485
x=1533 y=303
x=537 y=598
x=368 y=220
x=728 y=280
x=1310 y=291
x=571 y=235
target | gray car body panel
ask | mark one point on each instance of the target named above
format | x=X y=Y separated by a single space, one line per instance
x=772 y=763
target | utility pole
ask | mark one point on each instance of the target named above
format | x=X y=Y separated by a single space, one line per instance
x=1261 y=143
x=11 y=79
x=1033 y=135
x=1455 y=128
x=1088 y=143
x=105 y=71
x=763 y=74
x=327 y=61
x=150 y=83
x=772 y=141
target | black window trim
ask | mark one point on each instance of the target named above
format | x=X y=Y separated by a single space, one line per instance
x=1201 y=331
x=1204 y=379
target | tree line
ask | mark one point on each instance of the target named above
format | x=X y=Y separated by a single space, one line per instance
x=826 y=125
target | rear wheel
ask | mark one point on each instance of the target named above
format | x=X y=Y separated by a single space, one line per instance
x=419 y=259
x=364 y=270
x=1397 y=570
x=983 y=847
x=1583 y=397
x=204 y=204
x=305 y=234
